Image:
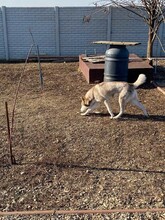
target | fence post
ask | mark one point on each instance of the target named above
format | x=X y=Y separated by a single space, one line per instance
x=5 y=34
x=109 y=24
x=57 y=31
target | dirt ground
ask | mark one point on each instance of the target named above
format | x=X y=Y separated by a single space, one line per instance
x=65 y=161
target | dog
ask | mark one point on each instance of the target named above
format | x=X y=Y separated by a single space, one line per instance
x=103 y=91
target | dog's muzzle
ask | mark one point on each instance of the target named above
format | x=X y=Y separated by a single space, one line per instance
x=83 y=109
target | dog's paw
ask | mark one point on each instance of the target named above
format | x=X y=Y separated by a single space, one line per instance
x=84 y=114
x=116 y=117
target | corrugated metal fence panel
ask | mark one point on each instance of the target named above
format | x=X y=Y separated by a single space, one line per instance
x=162 y=51
x=41 y=22
x=2 y=44
x=128 y=27
x=61 y=31
x=76 y=37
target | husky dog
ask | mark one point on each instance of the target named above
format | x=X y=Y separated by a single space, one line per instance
x=103 y=91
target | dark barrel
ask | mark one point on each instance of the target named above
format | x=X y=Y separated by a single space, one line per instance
x=116 y=63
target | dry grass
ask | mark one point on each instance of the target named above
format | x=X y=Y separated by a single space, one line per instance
x=66 y=161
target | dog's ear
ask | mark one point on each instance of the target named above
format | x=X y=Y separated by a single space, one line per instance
x=82 y=98
x=86 y=102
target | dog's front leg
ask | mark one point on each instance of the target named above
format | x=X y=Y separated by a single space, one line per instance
x=87 y=112
x=122 y=106
x=108 y=108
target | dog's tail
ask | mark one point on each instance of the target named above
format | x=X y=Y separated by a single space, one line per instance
x=140 y=80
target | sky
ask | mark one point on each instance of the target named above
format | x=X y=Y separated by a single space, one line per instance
x=45 y=3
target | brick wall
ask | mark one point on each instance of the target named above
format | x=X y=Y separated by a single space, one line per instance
x=62 y=32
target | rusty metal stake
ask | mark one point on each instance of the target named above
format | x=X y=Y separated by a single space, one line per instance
x=12 y=158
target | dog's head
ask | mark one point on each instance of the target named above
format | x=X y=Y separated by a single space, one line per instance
x=88 y=102
x=85 y=104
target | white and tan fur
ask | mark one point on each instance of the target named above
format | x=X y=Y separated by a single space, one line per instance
x=103 y=91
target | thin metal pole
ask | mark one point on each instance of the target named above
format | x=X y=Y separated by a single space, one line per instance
x=12 y=159
x=39 y=67
x=18 y=86
x=159 y=88
x=38 y=57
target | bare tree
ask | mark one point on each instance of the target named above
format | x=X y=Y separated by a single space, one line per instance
x=152 y=12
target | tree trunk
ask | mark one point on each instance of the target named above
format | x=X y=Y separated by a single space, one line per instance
x=150 y=45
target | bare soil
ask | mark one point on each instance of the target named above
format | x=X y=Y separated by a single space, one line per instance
x=68 y=161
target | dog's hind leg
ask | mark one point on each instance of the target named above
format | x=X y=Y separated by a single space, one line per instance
x=139 y=105
x=108 y=108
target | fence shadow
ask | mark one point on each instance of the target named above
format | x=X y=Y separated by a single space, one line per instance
x=93 y=168
x=84 y=167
